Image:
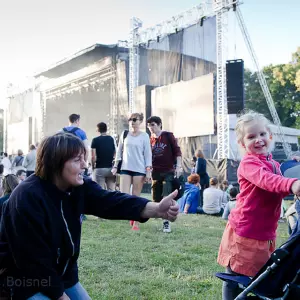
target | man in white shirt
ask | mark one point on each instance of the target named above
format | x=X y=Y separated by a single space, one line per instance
x=6 y=163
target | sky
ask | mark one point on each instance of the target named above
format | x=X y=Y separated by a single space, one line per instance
x=36 y=33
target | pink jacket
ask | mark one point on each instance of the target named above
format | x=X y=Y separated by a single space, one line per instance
x=258 y=205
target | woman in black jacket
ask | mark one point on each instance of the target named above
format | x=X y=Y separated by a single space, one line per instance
x=41 y=223
x=201 y=171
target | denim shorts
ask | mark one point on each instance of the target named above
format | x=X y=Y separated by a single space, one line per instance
x=131 y=173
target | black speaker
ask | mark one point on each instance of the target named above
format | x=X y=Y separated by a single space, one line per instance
x=235 y=86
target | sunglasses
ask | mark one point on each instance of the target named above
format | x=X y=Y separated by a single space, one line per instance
x=133 y=119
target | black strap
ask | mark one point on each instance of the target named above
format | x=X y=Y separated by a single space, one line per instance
x=20 y=159
x=72 y=131
x=125 y=133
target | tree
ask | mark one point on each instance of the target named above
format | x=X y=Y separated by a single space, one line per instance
x=284 y=84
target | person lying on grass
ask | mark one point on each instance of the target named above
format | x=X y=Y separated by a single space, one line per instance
x=41 y=222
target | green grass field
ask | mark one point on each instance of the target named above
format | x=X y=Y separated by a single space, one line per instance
x=116 y=263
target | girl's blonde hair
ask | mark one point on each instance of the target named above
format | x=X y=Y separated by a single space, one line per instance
x=245 y=119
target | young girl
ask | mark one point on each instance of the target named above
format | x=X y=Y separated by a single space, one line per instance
x=249 y=236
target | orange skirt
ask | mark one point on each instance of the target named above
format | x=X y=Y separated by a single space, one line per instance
x=244 y=256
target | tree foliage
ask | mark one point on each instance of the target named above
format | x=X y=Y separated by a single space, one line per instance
x=284 y=84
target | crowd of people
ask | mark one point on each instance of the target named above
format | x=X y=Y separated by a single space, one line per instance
x=41 y=216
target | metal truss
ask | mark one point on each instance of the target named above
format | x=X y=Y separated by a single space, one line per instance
x=138 y=37
x=43 y=103
x=114 y=107
x=220 y=7
x=176 y=23
x=263 y=82
x=133 y=61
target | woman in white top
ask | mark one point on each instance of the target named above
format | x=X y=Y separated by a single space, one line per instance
x=6 y=163
x=134 y=151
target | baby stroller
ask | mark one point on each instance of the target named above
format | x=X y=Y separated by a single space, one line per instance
x=279 y=279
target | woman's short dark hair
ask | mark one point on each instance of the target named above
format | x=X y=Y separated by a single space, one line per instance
x=54 y=151
x=102 y=127
x=9 y=183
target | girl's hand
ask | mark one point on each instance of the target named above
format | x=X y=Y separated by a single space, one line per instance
x=296 y=188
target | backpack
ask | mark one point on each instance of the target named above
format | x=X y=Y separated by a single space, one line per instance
x=72 y=131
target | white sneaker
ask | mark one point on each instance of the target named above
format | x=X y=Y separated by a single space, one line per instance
x=166 y=227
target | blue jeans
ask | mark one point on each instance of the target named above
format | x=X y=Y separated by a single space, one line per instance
x=76 y=292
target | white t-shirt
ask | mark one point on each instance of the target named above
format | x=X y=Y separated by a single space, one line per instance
x=137 y=153
x=7 y=166
x=213 y=200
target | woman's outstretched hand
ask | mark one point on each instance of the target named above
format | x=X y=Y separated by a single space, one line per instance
x=167 y=208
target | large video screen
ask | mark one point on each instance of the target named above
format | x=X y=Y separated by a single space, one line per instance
x=186 y=107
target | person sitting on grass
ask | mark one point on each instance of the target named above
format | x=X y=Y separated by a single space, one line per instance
x=189 y=201
x=231 y=203
x=41 y=222
x=214 y=199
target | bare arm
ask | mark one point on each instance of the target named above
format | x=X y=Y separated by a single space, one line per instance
x=119 y=151
x=94 y=157
x=186 y=208
x=87 y=149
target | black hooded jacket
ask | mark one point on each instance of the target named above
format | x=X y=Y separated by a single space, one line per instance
x=42 y=227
